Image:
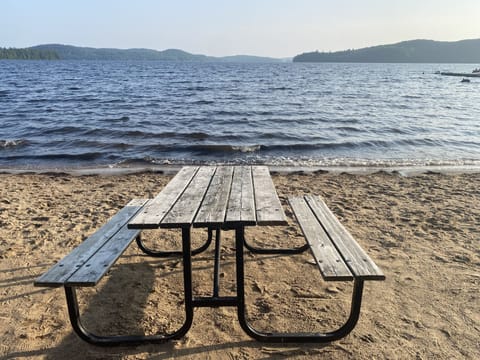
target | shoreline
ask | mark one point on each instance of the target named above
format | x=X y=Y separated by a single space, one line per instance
x=281 y=169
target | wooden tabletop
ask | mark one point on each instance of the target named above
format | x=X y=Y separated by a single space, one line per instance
x=215 y=196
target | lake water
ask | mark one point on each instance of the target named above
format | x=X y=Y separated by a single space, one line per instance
x=75 y=114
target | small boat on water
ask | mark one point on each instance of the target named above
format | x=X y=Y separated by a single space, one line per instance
x=465 y=80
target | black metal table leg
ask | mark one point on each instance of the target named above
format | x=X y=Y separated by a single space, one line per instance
x=289 y=337
x=102 y=340
x=215 y=300
x=216 y=269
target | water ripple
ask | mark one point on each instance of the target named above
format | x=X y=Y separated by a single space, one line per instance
x=85 y=113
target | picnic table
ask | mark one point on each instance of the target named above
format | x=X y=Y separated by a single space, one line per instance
x=218 y=198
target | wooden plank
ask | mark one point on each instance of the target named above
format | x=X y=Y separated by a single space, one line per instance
x=60 y=272
x=332 y=267
x=187 y=205
x=269 y=210
x=358 y=261
x=90 y=273
x=214 y=206
x=154 y=212
x=241 y=205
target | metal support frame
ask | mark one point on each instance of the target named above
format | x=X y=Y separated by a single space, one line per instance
x=102 y=340
x=173 y=253
x=290 y=337
x=215 y=300
x=287 y=251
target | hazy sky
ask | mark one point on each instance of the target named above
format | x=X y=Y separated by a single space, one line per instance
x=277 y=28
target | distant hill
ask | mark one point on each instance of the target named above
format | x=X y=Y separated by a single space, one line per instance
x=69 y=52
x=414 y=51
x=250 y=59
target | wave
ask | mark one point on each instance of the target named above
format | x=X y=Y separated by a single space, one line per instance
x=220 y=148
x=57 y=158
x=112 y=101
x=144 y=134
x=38 y=100
x=280 y=88
x=94 y=145
x=63 y=130
x=360 y=145
x=286 y=149
x=203 y=102
x=197 y=88
x=308 y=162
x=118 y=119
x=196 y=135
x=230 y=113
x=8 y=144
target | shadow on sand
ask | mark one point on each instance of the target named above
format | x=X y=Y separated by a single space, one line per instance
x=118 y=306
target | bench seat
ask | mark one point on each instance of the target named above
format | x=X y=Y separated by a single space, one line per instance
x=338 y=256
x=90 y=261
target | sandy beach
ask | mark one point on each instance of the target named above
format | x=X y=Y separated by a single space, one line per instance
x=423 y=232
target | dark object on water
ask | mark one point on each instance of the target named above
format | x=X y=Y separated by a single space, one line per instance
x=476 y=74
x=465 y=80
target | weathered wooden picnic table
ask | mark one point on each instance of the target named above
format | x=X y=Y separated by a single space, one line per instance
x=218 y=198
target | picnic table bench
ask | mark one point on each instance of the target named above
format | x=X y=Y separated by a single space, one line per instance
x=90 y=261
x=219 y=199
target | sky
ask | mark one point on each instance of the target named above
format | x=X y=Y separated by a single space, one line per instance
x=275 y=28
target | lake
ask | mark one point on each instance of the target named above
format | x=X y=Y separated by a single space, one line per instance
x=88 y=113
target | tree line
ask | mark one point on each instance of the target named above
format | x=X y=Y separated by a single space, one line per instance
x=27 y=54
x=413 y=51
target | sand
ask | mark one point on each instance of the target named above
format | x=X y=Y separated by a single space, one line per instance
x=423 y=231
